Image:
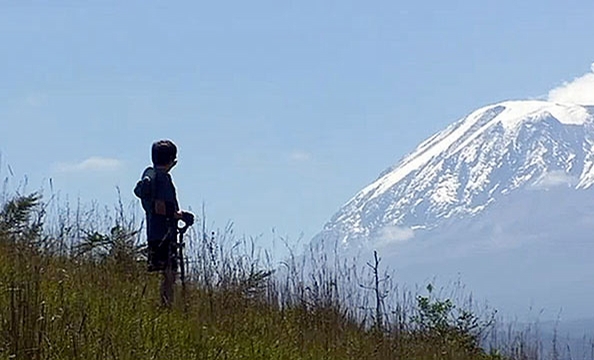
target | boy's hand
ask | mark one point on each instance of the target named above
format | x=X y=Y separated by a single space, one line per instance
x=187 y=218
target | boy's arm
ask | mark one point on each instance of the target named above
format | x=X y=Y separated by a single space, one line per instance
x=166 y=201
x=165 y=208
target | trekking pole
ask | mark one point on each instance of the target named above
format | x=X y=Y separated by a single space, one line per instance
x=182 y=262
x=188 y=220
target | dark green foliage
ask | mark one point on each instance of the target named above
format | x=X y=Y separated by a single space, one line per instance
x=442 y=323
x=120 y=245
x=21 y=219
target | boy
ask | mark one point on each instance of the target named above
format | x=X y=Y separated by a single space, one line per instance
x=159 y=201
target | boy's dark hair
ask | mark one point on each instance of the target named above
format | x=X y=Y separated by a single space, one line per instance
x=163 y=152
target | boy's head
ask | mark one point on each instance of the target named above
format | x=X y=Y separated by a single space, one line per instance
x=164 y=152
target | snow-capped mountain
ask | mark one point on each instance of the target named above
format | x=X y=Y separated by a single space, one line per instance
x=501 y=200
x=465 y=168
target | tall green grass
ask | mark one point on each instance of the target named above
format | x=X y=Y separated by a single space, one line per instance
x=76 y=290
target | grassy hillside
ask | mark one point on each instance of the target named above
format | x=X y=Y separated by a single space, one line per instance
x=87 y=296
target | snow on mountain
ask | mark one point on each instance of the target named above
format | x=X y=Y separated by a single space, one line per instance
x=501 y=200
x=463 y=169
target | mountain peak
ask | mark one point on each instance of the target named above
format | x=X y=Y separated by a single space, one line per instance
x=461 y=170
x=515 y=111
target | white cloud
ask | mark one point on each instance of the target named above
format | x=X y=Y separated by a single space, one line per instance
x=94 y=163
x=300 y=156
x=555 y=179
x=579 y=91
x=394 y=234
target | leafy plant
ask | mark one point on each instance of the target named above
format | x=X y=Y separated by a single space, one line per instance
x=441 y=319
x=21 y=218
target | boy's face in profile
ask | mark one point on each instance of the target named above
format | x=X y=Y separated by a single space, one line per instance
x=171 y=165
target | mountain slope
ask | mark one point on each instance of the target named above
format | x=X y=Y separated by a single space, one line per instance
x=501 y=200
x=466 y=167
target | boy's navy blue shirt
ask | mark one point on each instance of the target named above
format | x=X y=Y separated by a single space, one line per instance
x=159 y=200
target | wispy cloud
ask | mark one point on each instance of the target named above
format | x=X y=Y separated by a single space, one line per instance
x=578 y=91
x=555 y=179
x=94 y=163
x=394 y=234
x=300 y=156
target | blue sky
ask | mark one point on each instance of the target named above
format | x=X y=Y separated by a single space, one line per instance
x=282 y=110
